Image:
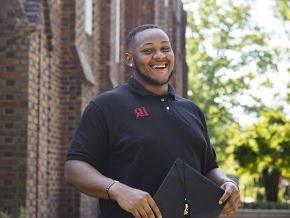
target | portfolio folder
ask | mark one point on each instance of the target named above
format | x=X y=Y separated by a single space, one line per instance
x=185 y=192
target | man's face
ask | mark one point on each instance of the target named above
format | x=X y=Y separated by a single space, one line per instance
x=152 y=56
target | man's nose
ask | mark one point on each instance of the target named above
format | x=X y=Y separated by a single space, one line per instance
x=159 y=54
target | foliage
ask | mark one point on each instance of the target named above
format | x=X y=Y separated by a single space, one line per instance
x=263 y=150
x=20 y=213
x=265 y=144
x=222 y=44
x=4 y=215
x=226 y=52
x=282 y=9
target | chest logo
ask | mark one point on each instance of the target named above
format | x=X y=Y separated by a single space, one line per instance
x=140 y=112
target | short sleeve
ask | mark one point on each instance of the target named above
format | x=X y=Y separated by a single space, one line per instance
x=210 y=156
x=90 y=140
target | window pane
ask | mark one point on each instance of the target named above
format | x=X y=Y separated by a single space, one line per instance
x=89 y=16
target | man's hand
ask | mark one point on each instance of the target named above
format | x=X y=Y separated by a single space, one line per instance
x=231 y=197
x=135 y=201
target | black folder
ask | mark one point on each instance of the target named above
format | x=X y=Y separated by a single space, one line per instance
x=185 y=192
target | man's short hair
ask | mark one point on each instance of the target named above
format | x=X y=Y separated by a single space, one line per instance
x=138 y=29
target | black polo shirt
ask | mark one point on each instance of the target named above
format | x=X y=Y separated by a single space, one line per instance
x=134 y=136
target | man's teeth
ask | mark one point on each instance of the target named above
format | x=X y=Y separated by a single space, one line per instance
x=159 y=66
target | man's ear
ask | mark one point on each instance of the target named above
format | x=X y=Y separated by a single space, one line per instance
x=129 y=59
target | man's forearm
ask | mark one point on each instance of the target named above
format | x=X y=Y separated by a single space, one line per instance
x=217 y=176
x=86 y=178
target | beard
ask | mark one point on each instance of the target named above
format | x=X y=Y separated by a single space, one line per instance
x=148 y=79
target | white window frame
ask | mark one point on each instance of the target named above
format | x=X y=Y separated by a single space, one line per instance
x=89 y=17
x=117 y=26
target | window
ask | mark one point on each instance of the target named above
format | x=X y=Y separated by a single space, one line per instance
x=117 y=38
x=89 y=16
x=166 y=3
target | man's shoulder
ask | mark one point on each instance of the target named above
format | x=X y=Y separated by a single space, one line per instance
x=188 y=103
x=119 y=93
x=191 y=107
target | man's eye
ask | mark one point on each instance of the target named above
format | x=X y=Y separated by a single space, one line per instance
x=166 y=49
x=147 y=51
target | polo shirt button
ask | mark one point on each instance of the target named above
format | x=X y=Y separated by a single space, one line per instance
x=162 y=99
x=167 y=108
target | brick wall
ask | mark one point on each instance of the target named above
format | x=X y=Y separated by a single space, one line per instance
x=70 y=103
x=101 y=44
x=44 y=126
x=170 y=16
x=35 y=74
x=49 y=70
x=13 y=108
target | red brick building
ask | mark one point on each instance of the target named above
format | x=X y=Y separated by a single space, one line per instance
x=54 y=56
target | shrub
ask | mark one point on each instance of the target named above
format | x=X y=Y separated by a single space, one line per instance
x=4 y=215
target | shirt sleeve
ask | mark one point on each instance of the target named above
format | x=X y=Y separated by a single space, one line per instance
x=210 y=156
x=90 y=140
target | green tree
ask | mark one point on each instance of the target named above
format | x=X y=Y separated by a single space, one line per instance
x=263 y=150
x=222 y=44
x=282 y=9
x=282 y=12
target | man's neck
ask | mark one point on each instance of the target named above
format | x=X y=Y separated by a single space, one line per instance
x=156 y=89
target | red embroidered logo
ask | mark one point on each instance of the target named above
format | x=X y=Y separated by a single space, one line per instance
x=140 y=112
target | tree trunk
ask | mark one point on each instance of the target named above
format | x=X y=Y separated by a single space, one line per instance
x=271 y=177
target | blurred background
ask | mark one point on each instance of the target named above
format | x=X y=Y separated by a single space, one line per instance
x=232 y=59
x=239 y=73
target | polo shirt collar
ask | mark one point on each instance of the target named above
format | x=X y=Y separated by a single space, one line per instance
x=136 y=87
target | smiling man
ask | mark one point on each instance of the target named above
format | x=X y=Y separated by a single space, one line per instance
x=129 y=137
x=152 y=58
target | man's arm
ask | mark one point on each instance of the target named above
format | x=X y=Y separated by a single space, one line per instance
x=232 y=193
x=86 y=178
x=90 y=181
x=217 y=176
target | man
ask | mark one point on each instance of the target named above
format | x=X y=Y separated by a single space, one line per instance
x=129 y=137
